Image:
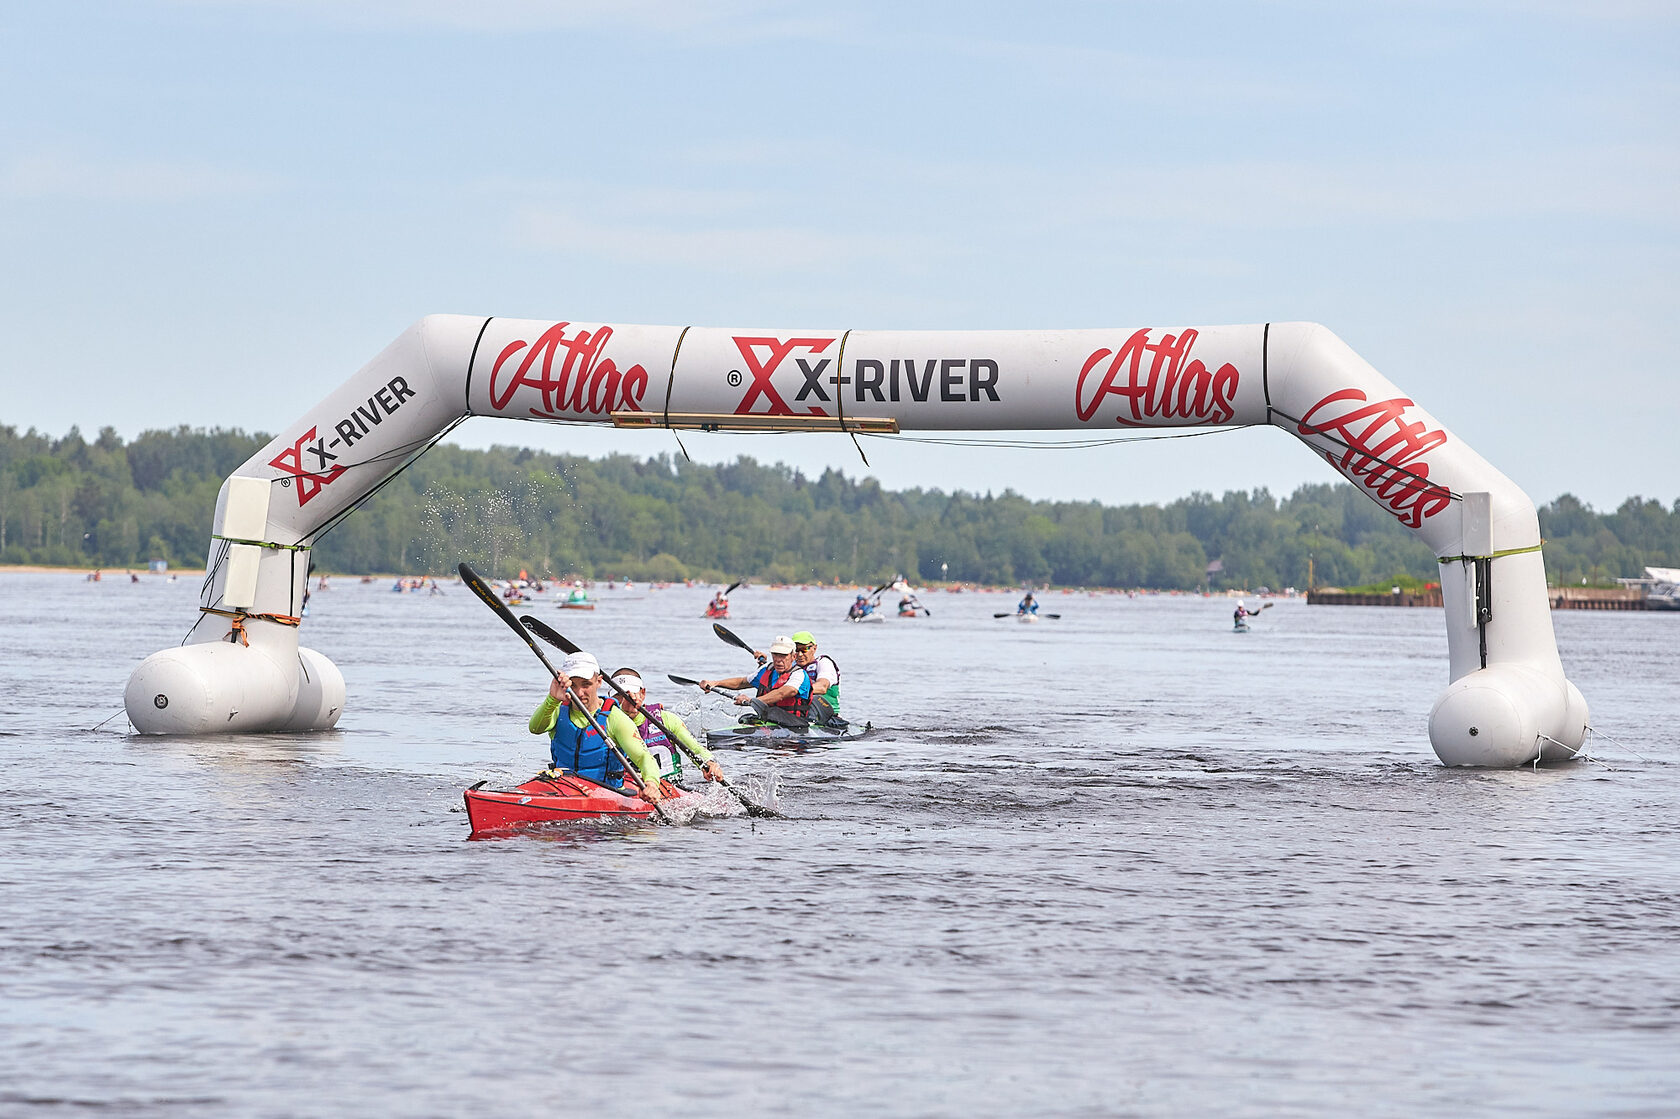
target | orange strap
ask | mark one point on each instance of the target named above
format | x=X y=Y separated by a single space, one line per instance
x=240 y=617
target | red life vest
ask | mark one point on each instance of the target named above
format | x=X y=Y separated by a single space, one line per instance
x=797 y=704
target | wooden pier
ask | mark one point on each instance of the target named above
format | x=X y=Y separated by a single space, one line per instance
x=1562 y=598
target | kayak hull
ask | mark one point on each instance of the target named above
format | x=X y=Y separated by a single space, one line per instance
x=577 y=606
x=867 y=618
x=548 y=800
x=752 y=735
x=1026 y=619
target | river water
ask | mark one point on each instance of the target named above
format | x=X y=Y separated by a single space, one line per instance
x=1124 y=862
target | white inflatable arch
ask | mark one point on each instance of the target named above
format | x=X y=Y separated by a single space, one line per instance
x=241 y=667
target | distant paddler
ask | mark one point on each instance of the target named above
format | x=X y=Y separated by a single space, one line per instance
x=783 y=689
x=658 y=727
x=860 y=608
x=575 y=741
x=1028 y=605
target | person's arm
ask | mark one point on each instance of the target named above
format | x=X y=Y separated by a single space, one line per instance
x=623 y=732
x=732 y=682
x=545 y=716
x=677 y=729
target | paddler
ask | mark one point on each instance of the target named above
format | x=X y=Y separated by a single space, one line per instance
x=1242 y=611
x=862 y=607
x=575 y=742
x=657 y=727
x=825 y=679
x=783 y=689
x=1027 y=605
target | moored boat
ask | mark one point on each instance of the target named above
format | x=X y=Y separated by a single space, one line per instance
x=545 y=800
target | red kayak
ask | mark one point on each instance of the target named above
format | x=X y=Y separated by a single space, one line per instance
x=545 y=800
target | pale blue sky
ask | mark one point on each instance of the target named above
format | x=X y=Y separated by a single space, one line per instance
x=213 y=211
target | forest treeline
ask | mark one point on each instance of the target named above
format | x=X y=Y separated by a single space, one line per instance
x=110 y=503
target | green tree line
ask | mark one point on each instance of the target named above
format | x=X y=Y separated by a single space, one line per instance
x=109 y=503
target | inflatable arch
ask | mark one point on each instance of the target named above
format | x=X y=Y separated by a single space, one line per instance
x=241 y=668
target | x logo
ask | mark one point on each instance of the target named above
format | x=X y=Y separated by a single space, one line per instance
x=309 y=481
x=763 y=370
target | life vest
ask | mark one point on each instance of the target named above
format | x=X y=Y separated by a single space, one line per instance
x=582 y=750
x=832 y=695
x=659 y=744
x=798 y=704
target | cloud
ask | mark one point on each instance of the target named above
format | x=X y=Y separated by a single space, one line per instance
x=61 y=175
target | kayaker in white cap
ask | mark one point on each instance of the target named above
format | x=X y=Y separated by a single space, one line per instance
x=575 y=742
x=784 y=690
x=658 y=727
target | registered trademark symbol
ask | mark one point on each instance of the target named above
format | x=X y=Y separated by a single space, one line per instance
x=287 y=482
x=734 y=378
x=160 y=701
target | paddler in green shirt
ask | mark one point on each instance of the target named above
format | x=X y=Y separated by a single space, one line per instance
x=825 y=679
x=575 y=742
x=660 y=727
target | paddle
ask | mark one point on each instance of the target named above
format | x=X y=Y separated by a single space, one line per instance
x=730 y=589
x=542 y=630
x=695 y=683
x=723 y=631
x=1012 y=613
x=488 y=596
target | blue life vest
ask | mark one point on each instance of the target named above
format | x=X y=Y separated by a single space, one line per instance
x=798 y=704
x=582 y=750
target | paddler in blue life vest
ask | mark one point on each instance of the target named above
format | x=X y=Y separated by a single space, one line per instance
x=1028 y=605
x=783 y=689
x=824 y=675
x=861 y=608
x=575 y=742
x=658 y=727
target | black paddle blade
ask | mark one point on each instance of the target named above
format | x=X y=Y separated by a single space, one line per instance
x=675 y=679
x=487 y=595
x=723 y=631
x=543 y=630
x=730 y=589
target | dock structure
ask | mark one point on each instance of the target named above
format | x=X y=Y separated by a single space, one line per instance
x=1561 y=598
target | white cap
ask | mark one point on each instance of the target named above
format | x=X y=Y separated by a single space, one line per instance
x=629 y=681
x=580 y=666
x=782 y=644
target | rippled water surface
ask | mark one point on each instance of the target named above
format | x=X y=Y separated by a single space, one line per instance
x=1127 y=862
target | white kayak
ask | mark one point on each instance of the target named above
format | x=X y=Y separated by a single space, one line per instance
x=867 y=618
x=1026 y=617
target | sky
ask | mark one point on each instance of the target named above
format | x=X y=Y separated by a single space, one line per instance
x=212 y=212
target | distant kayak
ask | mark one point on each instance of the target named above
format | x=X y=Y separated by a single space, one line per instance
x=577 y=605
x=547 y=800
x=717 y=613
x=867 y=618
x=751 y=734
x=1240 y=627
x=1026 y=617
